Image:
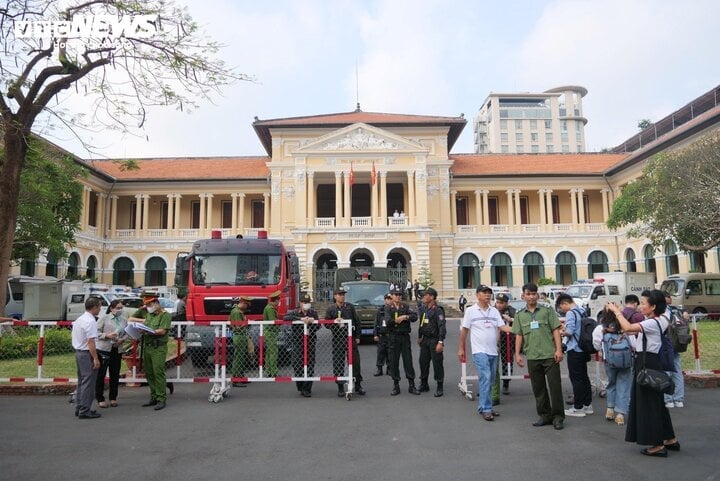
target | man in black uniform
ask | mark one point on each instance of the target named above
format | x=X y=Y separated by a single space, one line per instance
x=506 y=343
x=398 y=317
x=307 y=315
x=380 y=336
x=431 y=338
x=343 y=310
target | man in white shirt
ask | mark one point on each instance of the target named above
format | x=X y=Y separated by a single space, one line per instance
x=84 y=333
x=484 y=324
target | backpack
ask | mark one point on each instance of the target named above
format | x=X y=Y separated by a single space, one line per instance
x=678 y=331
x=616 y=350
x=586 y=326
x=666 y=354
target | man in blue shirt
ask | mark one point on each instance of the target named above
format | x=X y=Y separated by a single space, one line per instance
x=576 y=359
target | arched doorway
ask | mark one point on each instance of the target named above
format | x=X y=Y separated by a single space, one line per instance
x=533 y=267
x=123 y=272
x=649 y=255
x=155 y=272
x=398 y=265
x=362 y=258
x=501 y=270
x=565 y=268
x=91 y=267
x=672 y=264
x=630 y=264
x=324 y=275
x=597 y=262
x=51 y=267
x=468 y=271
x=73 y=262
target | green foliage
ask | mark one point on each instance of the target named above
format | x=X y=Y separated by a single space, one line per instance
x=546 y=281
x=49 y=203
x=23 y=342
x=425 y=277
x=644 y=124
x=677 y=197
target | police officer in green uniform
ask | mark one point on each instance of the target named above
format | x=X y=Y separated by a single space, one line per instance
x=240 y=338
x=271 y=335
x=155 y=352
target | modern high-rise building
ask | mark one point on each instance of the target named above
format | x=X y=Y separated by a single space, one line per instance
x=532 y=123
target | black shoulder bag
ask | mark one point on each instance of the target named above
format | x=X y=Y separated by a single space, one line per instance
x=653 y=379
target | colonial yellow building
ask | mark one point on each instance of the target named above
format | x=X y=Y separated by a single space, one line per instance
x=362 y=188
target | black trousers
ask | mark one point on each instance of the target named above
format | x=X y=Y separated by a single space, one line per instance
x=399 y=345
x=383 y=356
x=298 y=357
x=577 y=370
x=339 y=354
x=109 y=361
x=427 y=354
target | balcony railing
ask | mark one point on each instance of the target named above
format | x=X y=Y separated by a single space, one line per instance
x=325 y=222
x=466 y=229
x=397 y=221
x=125 y=233
x=361 y=221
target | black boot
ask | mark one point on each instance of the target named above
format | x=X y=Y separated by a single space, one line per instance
x=506 y=386
x=396 y=388
x=439 y=390
x=424 y=387
x=359 y=389
x=341 y=390
x=379 y=371
x=411 y=387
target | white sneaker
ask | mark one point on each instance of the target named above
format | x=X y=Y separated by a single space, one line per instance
x=679 y=404
x=588 y=409
x=577 y=413
x=669 y=404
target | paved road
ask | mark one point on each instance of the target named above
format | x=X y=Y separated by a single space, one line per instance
x=268 y=432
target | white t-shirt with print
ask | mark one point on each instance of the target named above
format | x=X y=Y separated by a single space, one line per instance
x=483 y=326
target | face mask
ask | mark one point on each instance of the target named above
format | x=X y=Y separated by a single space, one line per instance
x=151 y=309
x=117 y=312
x=306 y=307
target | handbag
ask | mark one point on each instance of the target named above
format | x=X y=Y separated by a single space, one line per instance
x=653 y=379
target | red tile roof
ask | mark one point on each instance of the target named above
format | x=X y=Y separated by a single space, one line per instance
x=188 y=168
x=342 y=119
x=501 y=165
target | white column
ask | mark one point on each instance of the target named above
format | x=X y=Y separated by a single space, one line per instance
x=518 y=217
x=203 y=217
x=543 y=210
x=510 y=210
x=171 y=212
x=100 y=220
x=548 y=206
x=573 y=205
x=478 y=207
x=209 y=211
x=178 y=203
x=581 y=206
x=233 y=212
x=606 y=211
x=241 y=213
x=138 y=214
x=347 y=208
x=113 y=214
x=338 y=199
x=146 y=213
x=374 y=201
x=453 y=210
x=383 y=198
x=266 y=212
x=412 y=202
x=311 y=210
x=486 y=207
x=86 y=208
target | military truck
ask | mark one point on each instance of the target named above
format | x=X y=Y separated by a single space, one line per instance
x=366 y=288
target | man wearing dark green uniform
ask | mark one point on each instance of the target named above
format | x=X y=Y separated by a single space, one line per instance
x=537 y=334
x=240 y=338
x=271 y=335
x=155 y=352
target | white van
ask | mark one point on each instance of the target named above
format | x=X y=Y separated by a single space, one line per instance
x=697 y=293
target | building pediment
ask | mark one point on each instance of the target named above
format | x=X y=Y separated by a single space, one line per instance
x=360 y=137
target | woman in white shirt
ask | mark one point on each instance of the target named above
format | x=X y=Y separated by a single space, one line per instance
x=111 y=335
x=648 y=420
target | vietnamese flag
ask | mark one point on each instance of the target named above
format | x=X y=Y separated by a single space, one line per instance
x=352 y=175
x=373 y=175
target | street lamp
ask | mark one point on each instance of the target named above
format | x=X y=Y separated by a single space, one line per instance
x=477 y=270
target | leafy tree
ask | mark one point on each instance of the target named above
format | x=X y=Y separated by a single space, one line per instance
x=425 y=277
x=644 y=124
x=161 y=60
x=546 y=281
x=49 y=203
x=677 y=197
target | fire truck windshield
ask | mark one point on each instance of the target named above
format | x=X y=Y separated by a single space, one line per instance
x=236 y=269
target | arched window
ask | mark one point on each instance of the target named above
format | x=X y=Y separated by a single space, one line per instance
x=697 y=261
x=672 y=264
x=155 y=272
x=649 y=255
x=123 y=274
x=597 y=262
x=533 y=267
x=91 y=266
x=565 y=268
x=468 y=271
x=27 y=267
x=501 y=270
x=73 y=262
x=51 y=267
x=630 y=265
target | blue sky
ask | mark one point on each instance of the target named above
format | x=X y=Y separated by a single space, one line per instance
x=637 y=58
